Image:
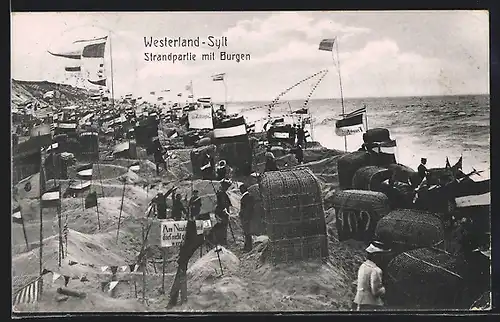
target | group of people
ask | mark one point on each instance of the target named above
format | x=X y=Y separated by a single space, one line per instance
x=222 y=210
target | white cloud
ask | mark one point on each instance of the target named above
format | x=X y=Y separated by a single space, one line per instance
x=279 y=28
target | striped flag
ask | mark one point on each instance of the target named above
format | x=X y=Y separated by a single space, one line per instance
x=72 y=68
x=218 y=77
x=28 y=294
x=350 y=125
x=327 y=44
x=356 y=112
x=17 y=216
x=190 y=96
x=51 y=198
x=85 y=171
x=250 y=128
x=231 y=130
x=205 y=100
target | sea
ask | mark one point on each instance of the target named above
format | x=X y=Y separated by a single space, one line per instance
x=433 y=127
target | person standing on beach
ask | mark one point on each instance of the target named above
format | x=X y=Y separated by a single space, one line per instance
x=195 y=205
x=301 y=136
x=222 y=213
x=177 y=207
x=246 y=213
x=422 y=169
x=370 y=289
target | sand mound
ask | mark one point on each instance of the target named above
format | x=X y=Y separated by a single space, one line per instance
x=208 y=267
x=86 y=221
x=82 y=248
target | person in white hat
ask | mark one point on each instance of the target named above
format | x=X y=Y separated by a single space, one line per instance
x=370 y=289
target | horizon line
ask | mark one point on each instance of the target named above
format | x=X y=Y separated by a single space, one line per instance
x=293 y=99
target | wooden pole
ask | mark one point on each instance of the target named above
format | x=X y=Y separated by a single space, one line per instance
x=121 y=208
x=60 y=235
x=41 y=183
x=163 y=272
x=24 y=230
x=145 y=262
x=340 y=84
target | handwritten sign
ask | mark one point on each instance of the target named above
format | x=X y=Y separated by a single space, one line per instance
x=200 y=119
x=173 y=232
x=354 y=223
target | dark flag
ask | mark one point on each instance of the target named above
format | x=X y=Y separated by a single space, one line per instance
x=447 y=163
x=91 y=200
x=301 y=111
x=350 y=125
x=231 y=130
x=72 y=68
x=218 y=77
x=326 y=44
x=99 y=82
x=95 y=50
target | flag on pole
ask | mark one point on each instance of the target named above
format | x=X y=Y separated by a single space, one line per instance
x=180 y=94
x=350 y=125
x=356 y=112
x=152 y=93
x=189 y=87
x=218 y=77
x=85 y=171
x=17 y=216
x=190 y=96
x=91 y=200
x=327 y=44
x=72 y=68
x=231 y=130
x=95 y=49
x=52 y=197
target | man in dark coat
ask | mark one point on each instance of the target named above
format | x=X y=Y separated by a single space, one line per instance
x=301 y=136
x=422 y=169
x=246 y=213
x=161 y=206
x=158 y=155
x=195 y=205
x=192 y=241
x=222 y=213
x=177 y=207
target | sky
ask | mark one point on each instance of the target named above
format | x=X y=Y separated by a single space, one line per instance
x=381 y=54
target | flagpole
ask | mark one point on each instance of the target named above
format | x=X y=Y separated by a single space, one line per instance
x=112 y=79
x=340 y=84
x=41 y=212
x=366 y=117
x=225 y=94
x=60 y=232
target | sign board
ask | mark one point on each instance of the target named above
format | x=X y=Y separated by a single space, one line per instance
x=173 y=232
x=200 y=119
